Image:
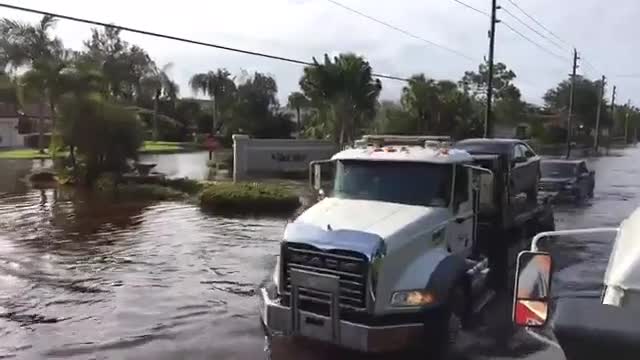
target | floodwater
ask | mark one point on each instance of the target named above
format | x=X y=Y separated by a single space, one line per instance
x=85 y=279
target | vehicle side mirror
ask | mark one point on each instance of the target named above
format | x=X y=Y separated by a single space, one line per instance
x=316 y=183
x=518 y=160
x=483 y=182
x=532 y=290
x=319 y=171
x=529 y=154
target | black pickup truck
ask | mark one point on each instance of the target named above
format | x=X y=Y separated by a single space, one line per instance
x=522 y=164
x=568 y=178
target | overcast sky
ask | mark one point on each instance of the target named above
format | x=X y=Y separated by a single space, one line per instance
x=605 y=33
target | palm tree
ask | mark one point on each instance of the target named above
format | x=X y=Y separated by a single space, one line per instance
x=31 y=45
x=420 y=98
x=162 y=87
x=298 y=101
x=347 y=86
x=23 y=43
x=218 y=86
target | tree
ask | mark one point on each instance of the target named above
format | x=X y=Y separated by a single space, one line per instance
x=345 y=85
x=219 y=86
x=105 y=134
x=585 y=105
x=476 y=82
x=508 y=106
x=23 y=43
x=126 y=67
x=8 y=89
x=31 y=45
x=392 y=118
x=298 y=101
x=257 y=110
x=160 y=87
x=419 y=99
x=436 y=107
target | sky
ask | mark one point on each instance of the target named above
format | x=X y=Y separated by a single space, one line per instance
x=604 y=32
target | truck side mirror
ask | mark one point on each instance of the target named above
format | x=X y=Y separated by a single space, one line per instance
x=518 y=160
x=319 y=170
x=532 y=290
x=317 y=177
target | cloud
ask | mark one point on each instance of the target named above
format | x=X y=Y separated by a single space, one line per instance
x=604 y=34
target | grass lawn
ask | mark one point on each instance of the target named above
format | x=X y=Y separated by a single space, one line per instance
x=160 y=147
x=149 y=147
x=23 y=154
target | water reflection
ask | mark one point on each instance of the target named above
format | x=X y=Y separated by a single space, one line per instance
x=191 y=165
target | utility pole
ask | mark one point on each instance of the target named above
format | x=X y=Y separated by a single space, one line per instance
x=488 y=125
x=156 y=98
x=571 y=94
x=626 y=123
x=597 y=134
x=613 y=113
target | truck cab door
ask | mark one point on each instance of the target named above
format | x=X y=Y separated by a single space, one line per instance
x=460 y=231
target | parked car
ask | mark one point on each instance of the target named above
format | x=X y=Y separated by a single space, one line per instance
x=569 y=178
x=525 y=163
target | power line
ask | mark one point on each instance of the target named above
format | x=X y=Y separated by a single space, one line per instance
x=532 y=29
x=595 y=68
x=473 y=8
x=403 y=31
x=631 y=76
x=171 y=37
x=533 y=42
x=537 y=22
x=550 y=32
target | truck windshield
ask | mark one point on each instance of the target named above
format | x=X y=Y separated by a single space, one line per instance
x=411 y=183
x=552 y=169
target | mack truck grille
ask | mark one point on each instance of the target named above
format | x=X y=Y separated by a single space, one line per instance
x=351 y=267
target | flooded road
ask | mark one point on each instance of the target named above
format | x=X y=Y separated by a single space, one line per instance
x=85 y=279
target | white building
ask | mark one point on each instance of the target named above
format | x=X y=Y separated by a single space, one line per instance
x=16 y=125
x=9 y=119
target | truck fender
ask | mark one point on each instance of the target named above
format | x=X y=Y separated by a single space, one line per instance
x=449 y=272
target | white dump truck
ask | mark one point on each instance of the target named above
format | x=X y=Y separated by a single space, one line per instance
x=399 y=251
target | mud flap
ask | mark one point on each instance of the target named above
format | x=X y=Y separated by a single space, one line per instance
x=309 y=325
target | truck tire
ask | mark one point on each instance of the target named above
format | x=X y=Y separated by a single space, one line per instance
x=443 y=329
x=532 y=193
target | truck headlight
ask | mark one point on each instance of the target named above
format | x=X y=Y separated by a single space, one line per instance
x=412 y=298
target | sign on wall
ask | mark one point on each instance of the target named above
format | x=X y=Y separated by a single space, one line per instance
x=273 y=157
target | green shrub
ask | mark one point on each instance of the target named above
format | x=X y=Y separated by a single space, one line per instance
x=248 y=198
x=185 y=185
x=147 y=192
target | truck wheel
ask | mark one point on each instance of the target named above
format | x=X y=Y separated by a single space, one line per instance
x=532 y=194
x=442 y=334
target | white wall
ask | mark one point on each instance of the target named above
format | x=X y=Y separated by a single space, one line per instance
x=9 y=136
x=271 y=157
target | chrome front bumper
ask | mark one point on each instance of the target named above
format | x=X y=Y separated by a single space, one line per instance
x=282 y=320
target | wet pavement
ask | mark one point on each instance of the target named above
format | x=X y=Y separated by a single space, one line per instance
x=81 y=278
